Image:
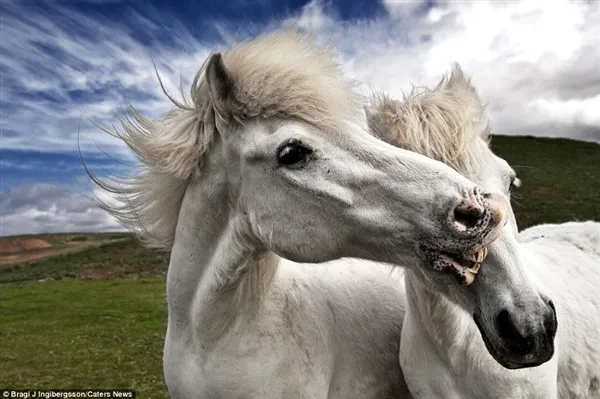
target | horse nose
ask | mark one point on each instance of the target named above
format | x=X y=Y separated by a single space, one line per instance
x=528 y=344
x=478 y=213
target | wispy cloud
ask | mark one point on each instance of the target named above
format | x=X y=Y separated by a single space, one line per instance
x=63 y=70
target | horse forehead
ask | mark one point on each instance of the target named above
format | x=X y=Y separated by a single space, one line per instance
x=500 y=162
x=491 y=169
x=267 y=133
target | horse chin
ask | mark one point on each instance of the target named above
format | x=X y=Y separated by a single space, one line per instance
x=500 y=356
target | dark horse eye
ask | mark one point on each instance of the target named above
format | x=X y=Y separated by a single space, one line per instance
x=514 y=183
x=293 y=153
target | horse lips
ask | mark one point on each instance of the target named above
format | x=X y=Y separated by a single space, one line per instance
x=465 y=267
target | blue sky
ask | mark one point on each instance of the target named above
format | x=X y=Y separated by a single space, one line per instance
x=69 y=68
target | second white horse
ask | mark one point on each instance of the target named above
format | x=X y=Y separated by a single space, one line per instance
x=445 y=352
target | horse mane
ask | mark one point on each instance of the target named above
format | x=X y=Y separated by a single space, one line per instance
x=281 y=74
x=442 y=123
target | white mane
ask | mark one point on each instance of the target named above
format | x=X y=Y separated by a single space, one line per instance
x=282 y=74
x=441 y=123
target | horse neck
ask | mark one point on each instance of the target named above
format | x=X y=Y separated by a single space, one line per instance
x=216 y=272
x=447 y=326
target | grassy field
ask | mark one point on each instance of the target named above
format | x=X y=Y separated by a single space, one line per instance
x=84 y=334
x=561 y=178
x=96 y=318
x=90 y=319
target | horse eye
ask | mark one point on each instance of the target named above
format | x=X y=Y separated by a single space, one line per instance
x=514 y=183
x=293 y=153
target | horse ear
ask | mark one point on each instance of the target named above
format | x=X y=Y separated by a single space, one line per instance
x=460 y=83
x=220 y=83
x=458 y=79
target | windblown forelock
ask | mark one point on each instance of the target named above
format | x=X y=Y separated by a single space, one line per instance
x=284 y=74
x=447 y=123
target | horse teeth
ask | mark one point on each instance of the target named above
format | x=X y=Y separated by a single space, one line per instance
x=469 y=278
x=472 y=271
x=481 y=255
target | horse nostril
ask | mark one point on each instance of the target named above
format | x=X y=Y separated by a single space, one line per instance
x=473 y=214
x=469 y=213
x=551 y=304
x=509 y=333
x=505 y=326
x=550 y=322
x=468 y=216
x=516 y=342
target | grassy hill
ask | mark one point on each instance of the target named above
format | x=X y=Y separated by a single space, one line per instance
x=561 y=178
x=110 y=259
x=95 y=316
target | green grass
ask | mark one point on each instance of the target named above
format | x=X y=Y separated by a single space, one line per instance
x=561 y=178
x=84 y=334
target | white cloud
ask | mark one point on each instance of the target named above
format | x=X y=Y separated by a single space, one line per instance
x=401 y=9
x=522 y=55
x=313 y=16
x=47 y=208
x=575 y=111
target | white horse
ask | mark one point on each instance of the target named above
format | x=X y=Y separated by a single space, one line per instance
x=267 y=160
x=444 y=351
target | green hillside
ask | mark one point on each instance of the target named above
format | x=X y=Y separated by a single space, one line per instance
x=561 y=178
